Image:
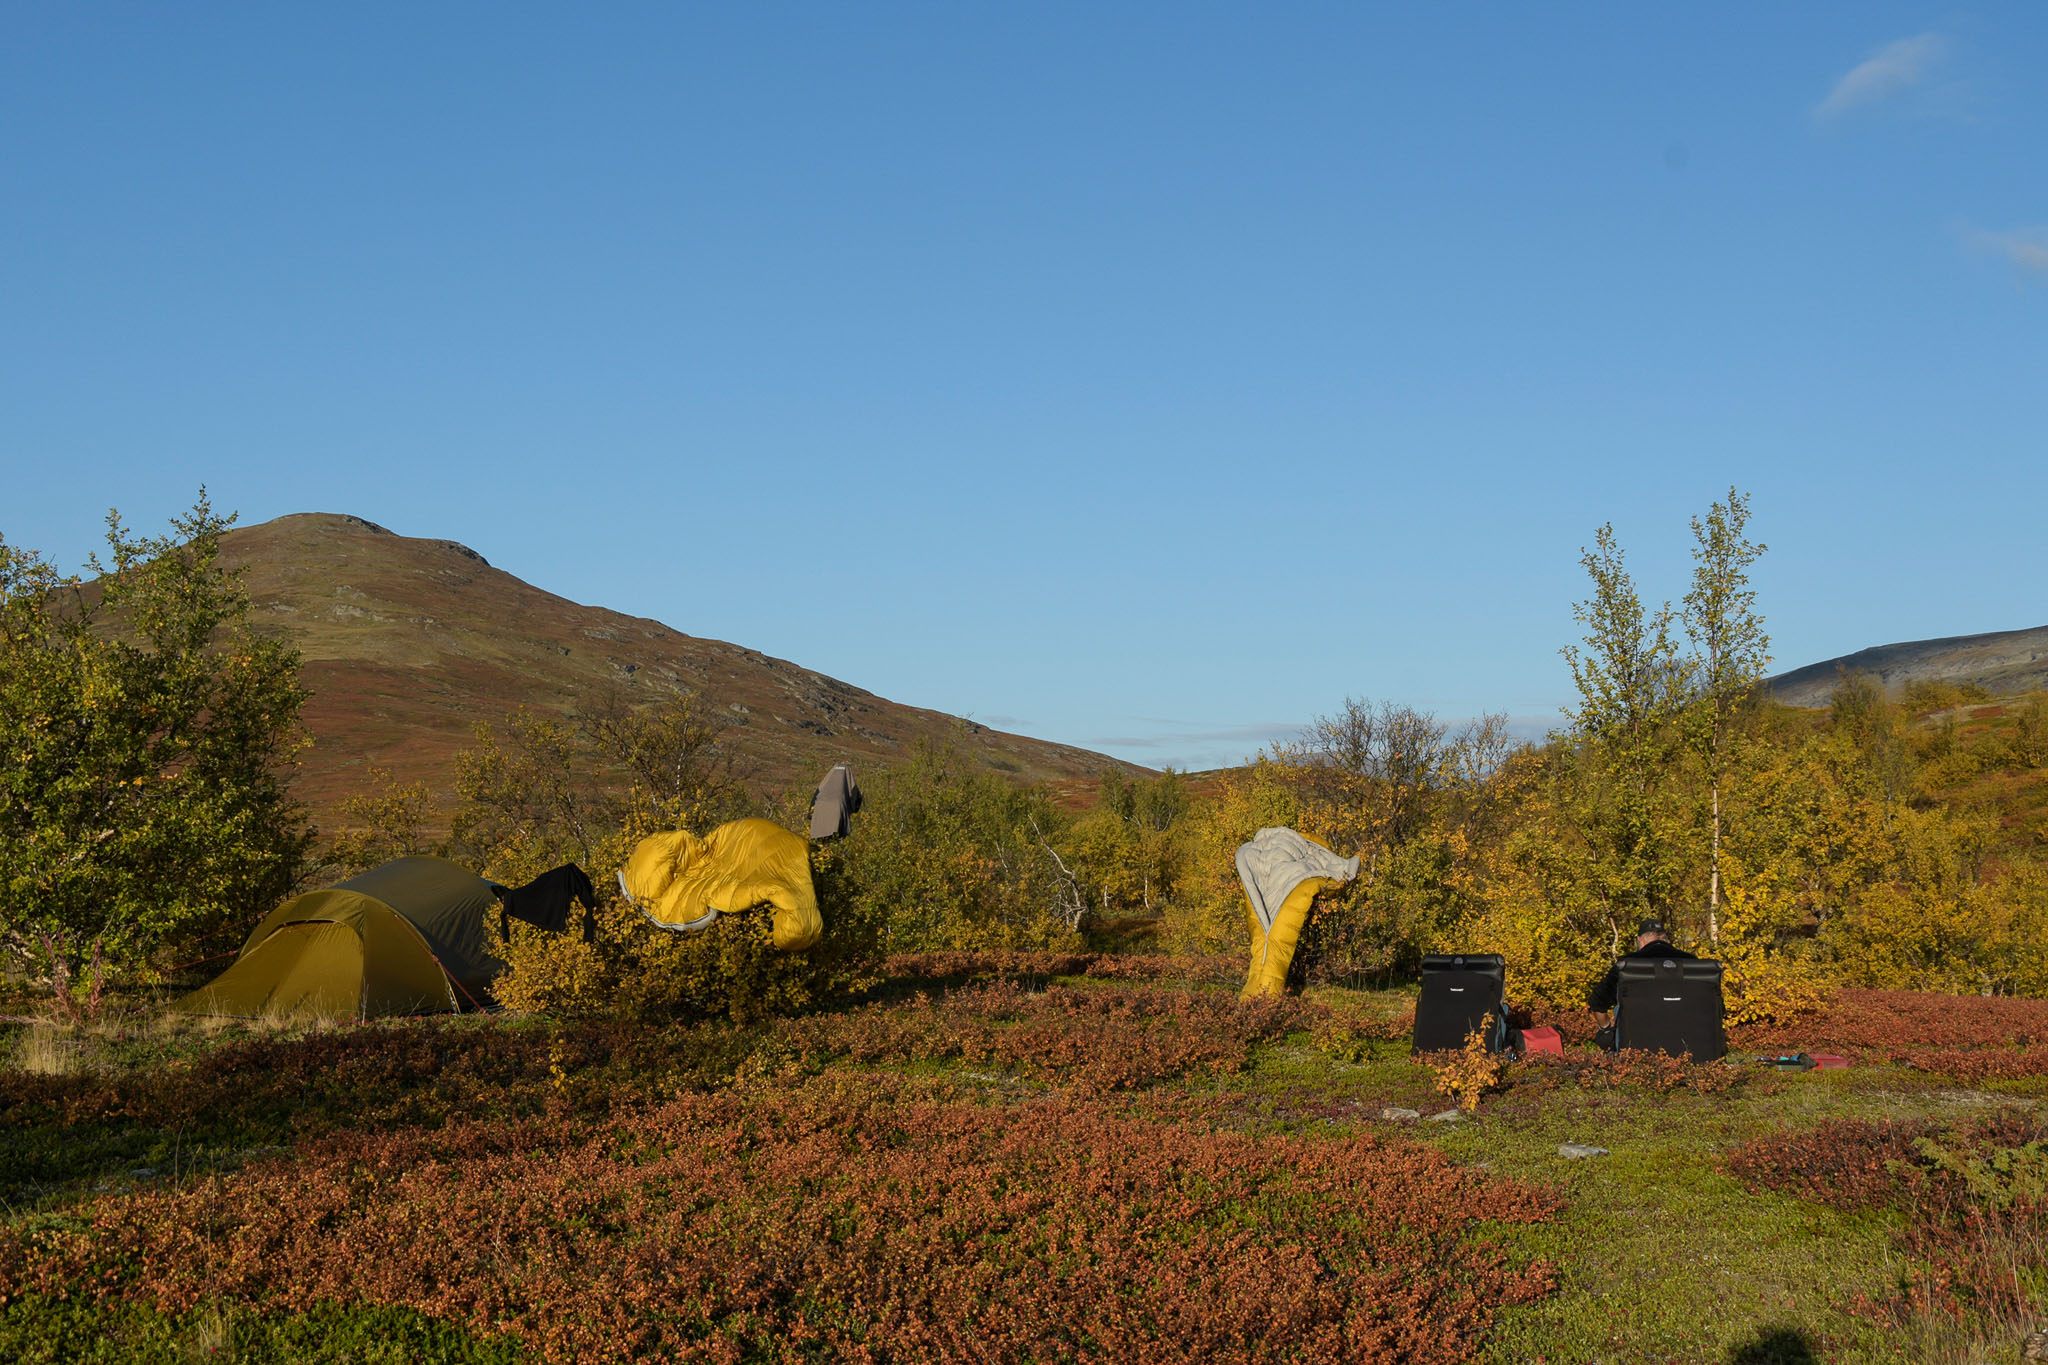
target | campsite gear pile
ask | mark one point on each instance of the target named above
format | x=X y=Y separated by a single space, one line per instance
x=1282 y=872
x=1666 y=1002
x=1668 y=1006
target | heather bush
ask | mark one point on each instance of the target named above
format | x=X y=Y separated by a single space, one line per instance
x=1635 y=1069
x=1097 y=1040
x=862 y=1219
x=1103 y=966
x=1573 y=1025
x=258 y=1092
x=1884 y=1024
x=1974 y=1197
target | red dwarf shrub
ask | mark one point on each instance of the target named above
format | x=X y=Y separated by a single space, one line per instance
x=848 y=1219
x=1106 y=966
x=1843 y=1163
x=1884 y=1024
x=1631 y=1069
x=1974 y=1197
x=1100 y=1039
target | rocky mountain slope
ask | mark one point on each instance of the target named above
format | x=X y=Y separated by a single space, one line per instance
x=409 y=642
x=2003 y=663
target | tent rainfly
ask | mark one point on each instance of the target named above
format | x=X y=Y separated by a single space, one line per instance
x=404 y=938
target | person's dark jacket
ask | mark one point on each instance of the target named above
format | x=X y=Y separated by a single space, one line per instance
x=1603 y=996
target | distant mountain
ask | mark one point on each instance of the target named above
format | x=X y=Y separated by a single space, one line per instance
x=2004 y=663
x=409 y=642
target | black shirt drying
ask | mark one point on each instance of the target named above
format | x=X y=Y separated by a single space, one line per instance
x=544 y=901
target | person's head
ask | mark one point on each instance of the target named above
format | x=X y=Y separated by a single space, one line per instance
x=1651 y=931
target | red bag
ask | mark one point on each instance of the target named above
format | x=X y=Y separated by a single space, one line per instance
x=1828 y=1061
x=1535 y=1040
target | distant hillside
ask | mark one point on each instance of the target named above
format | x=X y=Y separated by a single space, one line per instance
x=2004 y=663
x=408 y=643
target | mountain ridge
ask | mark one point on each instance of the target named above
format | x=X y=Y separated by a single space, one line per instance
x=408 y=641
x=2002 y=662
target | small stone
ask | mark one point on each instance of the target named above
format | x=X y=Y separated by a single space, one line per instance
x=2035 y=1347
x=144 y=1172
x=1573 y=1151
x=1400 y=1115
x=1448 y=1116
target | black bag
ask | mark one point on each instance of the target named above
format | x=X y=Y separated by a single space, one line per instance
x=1671 y=1005
x=1458 y=991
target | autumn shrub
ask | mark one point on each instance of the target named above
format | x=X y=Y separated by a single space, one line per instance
x=1883 y=1024
x=1353 y=1034
x=1977 y=1064
x=844 y=1219
x=1103 y=966
x=539 y=792
x=1470 y=1072
x=946 y=854
x=640 y=970
x=1974 y=1197
x=1101 y=1040
x=261 y=1091
x=1636 y=1069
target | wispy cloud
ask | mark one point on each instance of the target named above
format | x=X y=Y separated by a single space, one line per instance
x=1896 y=68
x=2026 y=248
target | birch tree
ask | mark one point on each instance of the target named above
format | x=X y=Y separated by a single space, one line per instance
x=1730 y=652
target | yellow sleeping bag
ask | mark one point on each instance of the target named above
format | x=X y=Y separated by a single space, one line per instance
x=1273 y=954
x=1282 y=871
x=685 y=883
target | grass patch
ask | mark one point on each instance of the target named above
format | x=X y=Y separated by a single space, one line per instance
x=72 y=1330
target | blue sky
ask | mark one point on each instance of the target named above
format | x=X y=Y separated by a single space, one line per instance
x=1143 y=377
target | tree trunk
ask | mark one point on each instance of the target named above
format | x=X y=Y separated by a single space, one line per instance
x=1714 y=876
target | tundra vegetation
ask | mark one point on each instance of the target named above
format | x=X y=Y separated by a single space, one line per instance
x=1010 y=1109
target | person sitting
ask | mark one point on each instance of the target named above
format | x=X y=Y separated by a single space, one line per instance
x=1652 y=940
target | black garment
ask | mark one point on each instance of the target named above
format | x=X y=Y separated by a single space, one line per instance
x=1603 y=996
x=544 y=901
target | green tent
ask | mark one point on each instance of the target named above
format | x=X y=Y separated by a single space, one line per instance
x=404 y=938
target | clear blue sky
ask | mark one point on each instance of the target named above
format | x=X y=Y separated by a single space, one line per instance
x=1144 y=377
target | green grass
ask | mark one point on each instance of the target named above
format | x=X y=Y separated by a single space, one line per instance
x=78 y=1331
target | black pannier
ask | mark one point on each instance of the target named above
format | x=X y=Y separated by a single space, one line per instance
x=1670 y=1005
x=1458 y=991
